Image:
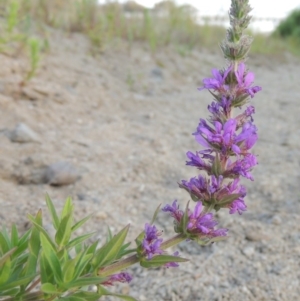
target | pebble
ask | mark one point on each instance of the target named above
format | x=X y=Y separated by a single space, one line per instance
x=22 y=133
x=61 y=173
x=248 y=251
x=276 y=220
x=101 y=215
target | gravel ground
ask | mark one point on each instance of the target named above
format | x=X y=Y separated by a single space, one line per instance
x=121 y=123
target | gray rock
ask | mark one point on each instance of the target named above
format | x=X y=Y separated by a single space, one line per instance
x=23 y=134
x=157 y=73
x=61 y=173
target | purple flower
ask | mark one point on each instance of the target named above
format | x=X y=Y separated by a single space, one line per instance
x=215 y=191
x=203 y=224
x=223 y=137
x=220 y=110
x=151 y=243
x=120 y=277
x=241 y=167
x=217 y=82
x=245 y=80
x=237 y=206
x=199 y=224
x=197 y=161
x=174 y=210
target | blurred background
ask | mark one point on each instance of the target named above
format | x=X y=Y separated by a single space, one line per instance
x=99 y=100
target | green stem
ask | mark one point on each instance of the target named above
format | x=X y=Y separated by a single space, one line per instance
x=127 y=262
x=120 y=265
x=173 y=241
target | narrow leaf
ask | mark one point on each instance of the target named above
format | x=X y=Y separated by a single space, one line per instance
x=80 y=223
x=68 y=208
x=160 y=260
x=155 y=214
x=42 y=230
x=85 y=281
x=51 y=257
x=63 y=233
x=54 y=216
x=6 y=256
x=110 y=250
x=79 y=240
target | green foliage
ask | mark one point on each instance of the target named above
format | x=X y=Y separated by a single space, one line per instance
x=64 y=266
x=61 y=265
x=34 y=55
x=290 y=26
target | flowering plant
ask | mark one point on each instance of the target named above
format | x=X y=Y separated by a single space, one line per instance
x=38 y=267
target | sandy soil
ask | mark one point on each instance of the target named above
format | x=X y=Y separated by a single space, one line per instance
x=124 y=120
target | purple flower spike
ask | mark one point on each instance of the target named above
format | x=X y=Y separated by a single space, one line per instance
x=151 y=243
x=121 y=277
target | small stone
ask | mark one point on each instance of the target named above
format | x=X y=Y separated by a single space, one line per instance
x=61 y=173
x=254 y=236
x=81 y=196
x=101 y=215
x=23 y=134
x=157 y=73
x=248 y=251
x=276 y=220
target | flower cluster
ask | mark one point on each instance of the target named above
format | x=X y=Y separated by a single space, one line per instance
x=198 y=224
x=151 y=243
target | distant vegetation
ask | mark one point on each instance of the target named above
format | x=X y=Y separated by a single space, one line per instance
x=290 y=26
x=26 y=24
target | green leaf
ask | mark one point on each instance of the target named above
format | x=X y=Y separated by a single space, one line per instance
x=42 y=230
x=110 y=250
x=229 y=199
x=92 y=248
x=21 y=248
x=104 y=292
x=63 y=233
x=80 y=223
x=49 y=288
x=34 y=246
x=155 y=214
x=68 y=208
x=13 y=284
x=88 y=296
x=5 y=243
x=216 y=166
x=79 y=240
x=85 y=282
x=5 y=271
x=51 y=257
x=160 y=260
x=11 y=292
x=6 y=256
x=45 y=270
x=83 y=260
x=68 y=270
x=54 y=216
x=185 y=219
x=14 y=235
